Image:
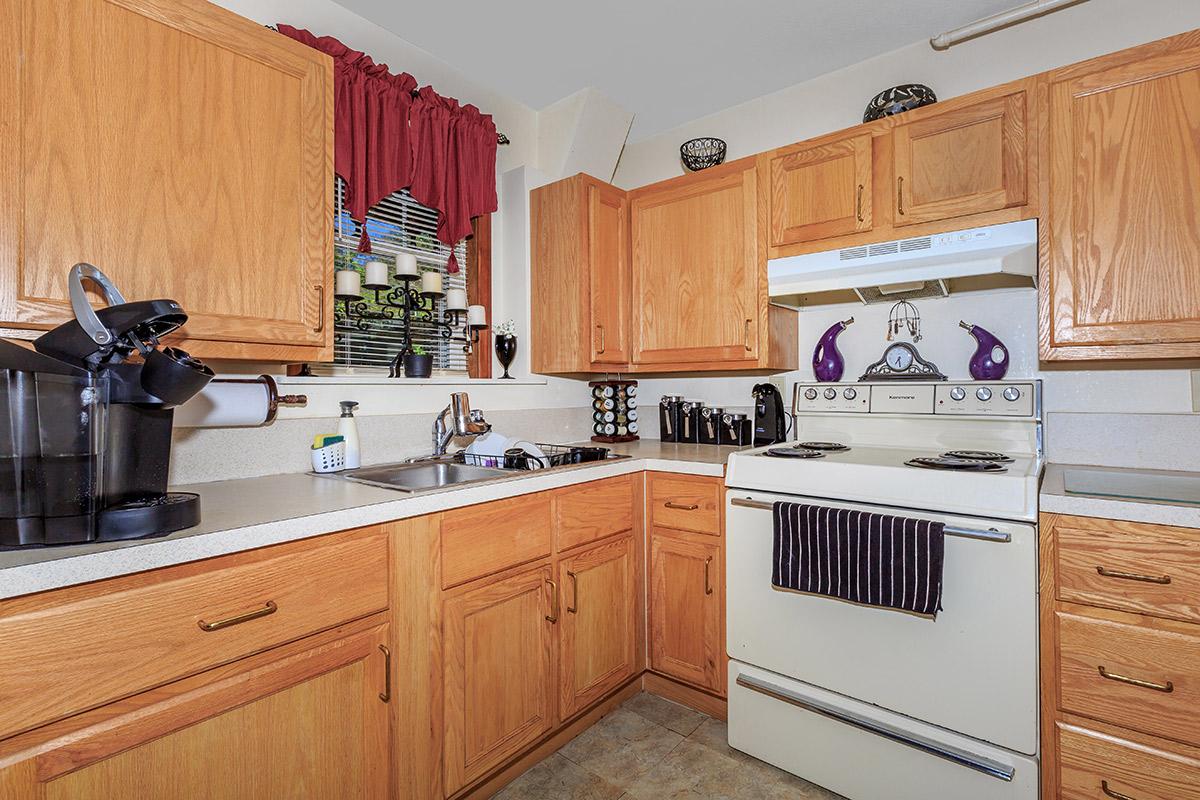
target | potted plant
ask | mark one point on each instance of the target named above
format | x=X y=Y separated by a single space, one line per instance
x=417 y=363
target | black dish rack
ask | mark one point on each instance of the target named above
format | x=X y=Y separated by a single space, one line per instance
x=555 y=455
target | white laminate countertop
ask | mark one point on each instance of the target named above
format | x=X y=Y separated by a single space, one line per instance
x=1054 y=498
x=248 y=513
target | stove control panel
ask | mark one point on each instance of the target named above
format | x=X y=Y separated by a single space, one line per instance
x=836 y=397
x=987 y=399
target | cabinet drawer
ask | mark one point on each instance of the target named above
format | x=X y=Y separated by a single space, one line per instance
x=1131 y=671
x=586 y=513
x=72 y=650
x=685 y=503
x=484 y=539
x=1150 y=569
x=1090 y=763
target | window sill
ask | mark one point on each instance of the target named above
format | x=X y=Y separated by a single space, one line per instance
x=383 y=380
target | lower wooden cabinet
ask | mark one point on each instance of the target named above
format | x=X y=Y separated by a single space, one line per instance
x=598 y=636
x=687 y=608
x=308 y=720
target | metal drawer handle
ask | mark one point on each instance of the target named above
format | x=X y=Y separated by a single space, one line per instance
x=900 y=195
x=1104 y=788
x=266 y=611
x=386 y=694
x=601 y=350
x=320 y=287
x=552 y=617
x=680 y=506
x=746 y=335
x=1133 y=576
x=573 y=608
x=707 y=586
x=1158 y=687
x=858 y=204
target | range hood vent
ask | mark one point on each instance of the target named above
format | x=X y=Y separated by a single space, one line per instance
x=923 y=266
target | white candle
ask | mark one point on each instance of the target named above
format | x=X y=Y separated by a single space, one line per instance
x=476 y=317
x=377 y=273
x=456 y=299
x=406 y=265
x=347 y=283
x=431 y=282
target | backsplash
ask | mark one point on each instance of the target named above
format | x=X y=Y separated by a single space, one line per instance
x=199 y=455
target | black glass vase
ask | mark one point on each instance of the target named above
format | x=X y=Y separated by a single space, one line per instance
x=506 y=351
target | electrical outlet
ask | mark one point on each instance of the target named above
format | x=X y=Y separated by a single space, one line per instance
x=780 y=383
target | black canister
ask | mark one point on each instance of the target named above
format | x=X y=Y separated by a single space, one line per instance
x=668 y=418
x=710 y=425
x=736 y=429
x=689 y=421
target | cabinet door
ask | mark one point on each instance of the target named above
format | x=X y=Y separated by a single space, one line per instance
x=312 y=722
x=821 y=191
x=599 y=623
x=686 y=608
x=499 y=685
x=608 y=273
x=1124 y=199
x=960 y=162
x=195 y=163
x=698 y=274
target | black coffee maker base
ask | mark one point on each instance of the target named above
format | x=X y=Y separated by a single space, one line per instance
x=146 y=519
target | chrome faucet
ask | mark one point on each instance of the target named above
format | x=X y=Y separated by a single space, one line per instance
x=457 y=419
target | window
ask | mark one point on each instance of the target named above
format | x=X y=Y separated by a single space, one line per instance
x=397 y=224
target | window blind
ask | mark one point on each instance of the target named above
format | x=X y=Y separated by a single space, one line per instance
x=397 y=224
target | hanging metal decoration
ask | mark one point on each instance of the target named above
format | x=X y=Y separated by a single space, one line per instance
x=904 y=318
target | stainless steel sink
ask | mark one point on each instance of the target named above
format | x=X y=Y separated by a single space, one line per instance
x=422 y=475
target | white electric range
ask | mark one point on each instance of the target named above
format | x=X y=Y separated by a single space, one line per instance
x=875 y=703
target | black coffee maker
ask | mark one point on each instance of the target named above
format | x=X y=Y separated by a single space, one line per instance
x=770 y=420
x=85 y=453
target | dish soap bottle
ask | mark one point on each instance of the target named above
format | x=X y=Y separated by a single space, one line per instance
x=348 y=428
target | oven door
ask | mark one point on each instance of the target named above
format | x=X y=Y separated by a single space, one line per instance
x=972 y=670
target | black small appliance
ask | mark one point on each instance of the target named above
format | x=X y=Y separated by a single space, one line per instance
x=770 y=420
x=85 y=443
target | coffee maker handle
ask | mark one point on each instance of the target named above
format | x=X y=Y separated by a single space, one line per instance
x=85 y=315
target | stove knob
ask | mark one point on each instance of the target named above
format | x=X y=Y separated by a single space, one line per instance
x=849 y=394
x=810 y=394
x=1012 y=393
x=983 y=393
x=958 y=393
x=830 y=394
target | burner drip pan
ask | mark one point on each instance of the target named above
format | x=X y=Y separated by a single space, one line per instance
x=979 y=455
x=828 y=447
x=793 y=452
x=955 y=464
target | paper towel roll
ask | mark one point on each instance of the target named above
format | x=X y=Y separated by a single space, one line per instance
x=234 y=403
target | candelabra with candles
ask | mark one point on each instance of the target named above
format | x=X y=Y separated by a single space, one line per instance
x=405 y=303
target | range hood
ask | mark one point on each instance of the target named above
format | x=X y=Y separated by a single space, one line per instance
x=923 y=266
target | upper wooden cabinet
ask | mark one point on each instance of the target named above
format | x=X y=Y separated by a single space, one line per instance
x=581 y=279
x=821 y=190
x=1121 y=269
x=960 y=162
x=182 y=149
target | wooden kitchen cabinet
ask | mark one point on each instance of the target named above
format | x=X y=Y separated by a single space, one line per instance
x=597 y=645
x=199 y=171
x=687 y=610
x=821 y=190
x=580 y=276
x=1121 y=260
x=305 y=720
x=499 y=637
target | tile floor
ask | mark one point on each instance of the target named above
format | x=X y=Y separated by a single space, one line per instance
x=653 y=749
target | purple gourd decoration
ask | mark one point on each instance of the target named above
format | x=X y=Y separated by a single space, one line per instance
x=828 y=364
x=990 y=361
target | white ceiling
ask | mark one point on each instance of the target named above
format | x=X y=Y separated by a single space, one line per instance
x=667 y=62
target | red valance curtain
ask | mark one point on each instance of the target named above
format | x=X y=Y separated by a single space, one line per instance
x=385 y=140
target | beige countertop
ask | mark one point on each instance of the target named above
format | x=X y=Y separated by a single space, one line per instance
x=248 y=513
x=1055 y=499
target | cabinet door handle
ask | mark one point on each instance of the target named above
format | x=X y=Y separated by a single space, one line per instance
x=681 y=506
x=1158 y=687
x=707 y=584
x=386 y=694
x=1134 y=576
x=900 y=195
x=858 y=204
x=266 y=611
x=746 y=335
x=602 y=338
x=574 y=607
x=552 y=617
x=1109 y=792
x=320 y=287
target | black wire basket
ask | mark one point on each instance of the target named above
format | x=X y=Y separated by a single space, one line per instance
x=698 y=154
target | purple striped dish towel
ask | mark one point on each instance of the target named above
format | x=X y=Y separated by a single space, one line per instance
x=873 y=559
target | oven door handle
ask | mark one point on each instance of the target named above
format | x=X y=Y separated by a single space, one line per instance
x=949 y=752
x=989 y=535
